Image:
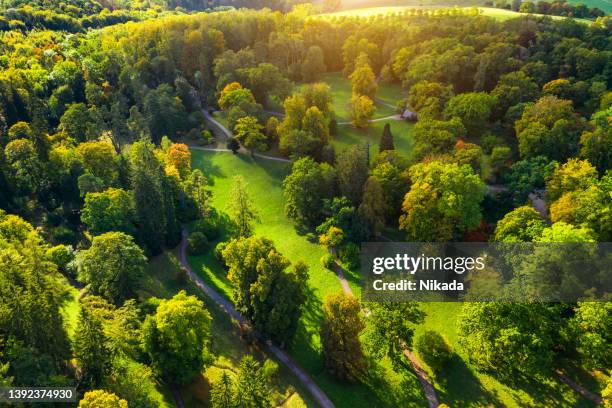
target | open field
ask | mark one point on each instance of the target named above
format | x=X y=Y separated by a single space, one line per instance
x=382 y=387
x=498 y=14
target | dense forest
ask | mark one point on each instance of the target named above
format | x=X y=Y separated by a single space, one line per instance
x=96 y=178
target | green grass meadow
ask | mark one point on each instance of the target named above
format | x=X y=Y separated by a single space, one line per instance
x=382 y=387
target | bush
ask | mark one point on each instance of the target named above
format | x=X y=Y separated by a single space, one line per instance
x=61 y=255
x=328 y=261
x=206 y=137
x=198 y=243
x=433 y=350
x=349 y=255
x=208 y=226
x=219 y=252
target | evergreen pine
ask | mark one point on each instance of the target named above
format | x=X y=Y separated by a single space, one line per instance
x=386 y=140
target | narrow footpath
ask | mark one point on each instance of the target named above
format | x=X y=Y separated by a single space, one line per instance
x=428 y=388
x=317 y=393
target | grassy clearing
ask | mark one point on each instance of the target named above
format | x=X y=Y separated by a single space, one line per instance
x=498 y=14
x=341 y=90
x=382 y=387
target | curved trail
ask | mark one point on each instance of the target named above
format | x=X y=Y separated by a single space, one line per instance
x=390 y=117
x=317 y=393
x=428 y=388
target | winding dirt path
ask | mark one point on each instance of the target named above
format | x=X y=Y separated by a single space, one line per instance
x=390 y=117
x=317 y=393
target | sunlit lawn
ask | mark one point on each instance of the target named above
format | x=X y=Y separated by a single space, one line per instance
x=382 y=387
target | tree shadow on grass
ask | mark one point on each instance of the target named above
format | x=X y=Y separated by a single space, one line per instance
x=302 y=347
x=203 y=161
x=403 y=391
x=461 y=388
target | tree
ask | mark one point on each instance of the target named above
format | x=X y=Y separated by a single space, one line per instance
x=591 y=327
x=340 y=329
x=314 y=64
x=572 y=176
x=434 y=350
x=266 y=290
x=589 y=208
x=386 y=139
x=352 y=167
x=391 y=328
x=429 y=98
x=361 y=110
x=222 y=393
x=332 y=238
x=523 y=224
x=233 y=145
x=363 y=79
x=373 y=207
x=77 y=123
x=24 y=166
x=252 y=387
x=164 y=113
x=315 y=123
x=512 y=339
x=196 y=189
x=146 y=179
x=606 y=394
x=474 y=110
x=242 y=209
x=249 y=133
x=304 y=190
x=436 y=137
x=102 y=399
x=176 y=338
x=108 y=211
x=179 y=156
x=444 y=200
x=597 y=147
x=91 y=350
x=549 y=128
x=112 y=266
x=100 y=160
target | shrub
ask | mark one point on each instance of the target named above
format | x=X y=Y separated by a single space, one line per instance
x=61 y=255
x=433 y=349
x=328 y=261
x=198 y=243
x=206 y=137
x=218 y=253
x=349 y=255
x=209 y=226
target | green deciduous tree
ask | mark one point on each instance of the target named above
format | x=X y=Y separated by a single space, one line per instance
x=591 y=327
x=444 y=200
x=512 y=339
x=363 y=79
x=110 y=210
x=305 y=188
x=372 y=209
x=571 y=176
x=361 y=110
x=249 y=133
x=266 y=290
x=352 y=167
x=340 y=329
x=112 y=266
x=102 y=399
x=176 y=338
x=523 y=224
x=474 y=110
